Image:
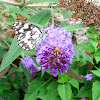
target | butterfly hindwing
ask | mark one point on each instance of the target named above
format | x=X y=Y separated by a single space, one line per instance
x=28 y=35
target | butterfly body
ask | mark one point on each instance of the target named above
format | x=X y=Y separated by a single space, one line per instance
x=28 y=35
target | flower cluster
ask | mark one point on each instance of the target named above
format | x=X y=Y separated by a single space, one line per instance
x=55 y=53
x=29 y=64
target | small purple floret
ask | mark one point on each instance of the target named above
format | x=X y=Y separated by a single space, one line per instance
x=88 y=77
x=29 y=64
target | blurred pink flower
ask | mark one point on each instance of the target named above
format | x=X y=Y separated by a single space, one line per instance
x=83 y=99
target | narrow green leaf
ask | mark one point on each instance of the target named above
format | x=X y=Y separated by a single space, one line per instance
x=96 y=90
x=76 y=50
x=50 y=1
x=64 y=23
x=27 y=73
x=65 y=91
x=29 y=53
x=11 y=55
x=74 y=27
x=41 y=18
x=86 y=56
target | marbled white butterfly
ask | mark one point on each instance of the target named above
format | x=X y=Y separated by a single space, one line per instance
x=28 y=35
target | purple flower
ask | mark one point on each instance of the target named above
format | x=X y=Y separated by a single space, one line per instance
x=29 y=64
x=32 y=74
x=83 y=99
x=88 y=77
x=55 y=53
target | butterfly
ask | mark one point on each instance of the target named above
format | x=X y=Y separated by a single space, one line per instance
x=28 y=35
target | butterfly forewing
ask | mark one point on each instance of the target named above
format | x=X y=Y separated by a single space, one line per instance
x=28 y=35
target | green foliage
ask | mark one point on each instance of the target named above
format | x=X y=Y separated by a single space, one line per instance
x=96 y=90
x=96 y=72
x=63 y=78
x=74 y=83
x=51 y=93
x=85 y=91
x=74 y=27
x=49 y=1
x=79 y=52
x=11 y=55
x=64 y=23
x=33 y=89
x=41 y=18
x=65 y=91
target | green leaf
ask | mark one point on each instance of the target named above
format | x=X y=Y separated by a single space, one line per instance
x=94 y=44
x=33 y=89
x=51 y=93
x=89 y=33
x=2 y=51
x=24 y=12
x=41 y=18
x=13 y=15
x=74 y=83
x=62 y=78
x=50 y=1
x=26 y=72
x=97 y=53
x=12 y=70
x=86 y=56
x=67 y=13
x=80 y=52
x=3 y=12
x=86 y=45
x=29 y=53
x=64 y=23
x=85 y=91
x=97 y=58
x=96 y=90
x=11 y=55
x=74 y=27
x=96 y=72
x=13 y=96
x=65 y=91
x=76 y=50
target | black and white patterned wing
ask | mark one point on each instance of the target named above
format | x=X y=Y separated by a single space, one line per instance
x=28 y=35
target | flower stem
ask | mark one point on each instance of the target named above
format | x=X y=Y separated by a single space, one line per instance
x=52 y=12
x=75 y=75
